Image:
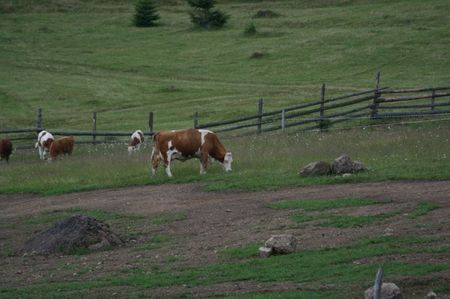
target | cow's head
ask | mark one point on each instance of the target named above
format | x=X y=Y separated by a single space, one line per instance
x=227 y=161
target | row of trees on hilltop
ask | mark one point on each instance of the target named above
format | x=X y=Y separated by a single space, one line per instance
x=202 y=14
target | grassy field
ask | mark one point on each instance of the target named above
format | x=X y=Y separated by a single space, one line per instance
x=74 y=57
x=260 y=162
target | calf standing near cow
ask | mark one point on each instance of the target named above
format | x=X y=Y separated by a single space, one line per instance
x=46 y=143
x=44 y=140
x=136 y=139
x=187 y=144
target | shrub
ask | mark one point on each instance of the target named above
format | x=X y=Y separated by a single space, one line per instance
x=250 y=29
x=202 y=14
x=146 y=14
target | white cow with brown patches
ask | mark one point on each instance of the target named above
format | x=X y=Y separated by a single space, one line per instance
x=136 y=139
x=187 y=144
x=44 y=141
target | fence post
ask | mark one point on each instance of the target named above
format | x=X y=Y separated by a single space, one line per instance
x=283 y=120
x=260 y=111
x=433 y=95
x=150 y=122
x=322 y=106
x=378 y=283
x=376 y=96
x=94 y=127
x=39 y=120
x=196 y=119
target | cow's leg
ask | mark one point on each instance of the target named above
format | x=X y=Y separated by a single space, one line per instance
x=203 y=162
x=156 y=156
x=167 y=161
x=41 y=152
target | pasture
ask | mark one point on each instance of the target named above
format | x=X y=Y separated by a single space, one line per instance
x=197 y=235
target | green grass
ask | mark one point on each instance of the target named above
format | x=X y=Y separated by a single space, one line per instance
x=316 y=267
x=423 y=208
x=72 y=58
x=342 y=221
x=398 y=153
x=321 y=205
x=57 y=215
x=241 y=251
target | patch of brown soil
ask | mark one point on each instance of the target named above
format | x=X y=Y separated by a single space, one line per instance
x=215 y=221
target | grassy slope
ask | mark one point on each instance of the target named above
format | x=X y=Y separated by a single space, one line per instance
x=260 y=162
x=86 y=56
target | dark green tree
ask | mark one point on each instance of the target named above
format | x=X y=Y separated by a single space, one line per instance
x=203 y=15
x=146 y=14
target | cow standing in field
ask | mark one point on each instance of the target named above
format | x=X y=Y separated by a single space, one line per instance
x=5 y=149
x=187 y=144
x=61 y=146
x=44 y=141
x=136 y=139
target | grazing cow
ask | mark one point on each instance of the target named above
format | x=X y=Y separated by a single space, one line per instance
x=43 y=143
x=61 y=146
x=5 y=149
x=187 y=144
x=136 y=139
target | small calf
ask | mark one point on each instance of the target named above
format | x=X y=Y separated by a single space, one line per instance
x=61 y=146
x=136 y=139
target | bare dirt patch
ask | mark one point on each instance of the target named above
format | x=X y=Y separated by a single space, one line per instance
x=214 y=221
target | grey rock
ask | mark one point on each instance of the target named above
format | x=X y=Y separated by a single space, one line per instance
x=282 y=244
x=71 y=234
x=389 y=290
x=344 y=164
x=316 y=168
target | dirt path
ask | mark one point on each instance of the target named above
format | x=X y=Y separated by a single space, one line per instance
x=216 y=220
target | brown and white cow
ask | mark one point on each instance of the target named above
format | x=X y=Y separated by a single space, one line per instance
x=187 y=144
x=61 y=146
x=136 y=139
x=43 y=143
x=5 y=149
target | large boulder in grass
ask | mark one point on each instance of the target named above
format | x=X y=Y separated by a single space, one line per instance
x=344 y=164
x=316 y=168
x=389 y=290
x=282 y=244
x=71 y=234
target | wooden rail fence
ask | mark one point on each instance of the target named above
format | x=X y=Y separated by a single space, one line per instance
x=368 y=105
x=377 y=103
x=24 y=138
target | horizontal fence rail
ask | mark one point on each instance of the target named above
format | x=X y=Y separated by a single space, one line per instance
x=25 y=138
x=367 y=105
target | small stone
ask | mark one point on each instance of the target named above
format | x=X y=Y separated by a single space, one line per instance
x=431 y=295
x=265 y=251
x=282 y=244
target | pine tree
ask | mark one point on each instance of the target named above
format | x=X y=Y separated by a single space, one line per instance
x=202 y=14
x=146 y=14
